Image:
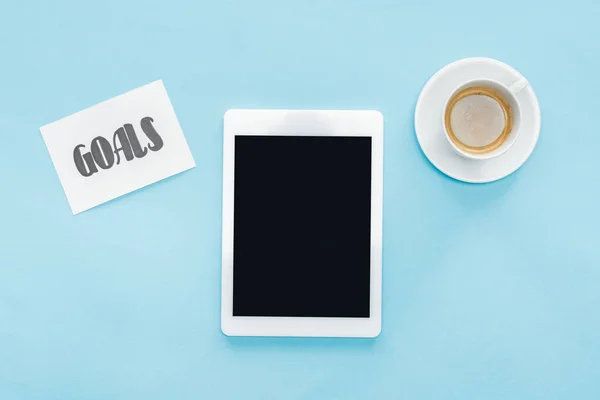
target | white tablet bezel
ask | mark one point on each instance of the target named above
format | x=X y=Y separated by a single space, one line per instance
x=302 y=123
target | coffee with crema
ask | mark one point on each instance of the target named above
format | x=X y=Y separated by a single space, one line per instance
x=478 y=119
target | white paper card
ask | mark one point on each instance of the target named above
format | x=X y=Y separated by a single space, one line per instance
x=117 y=146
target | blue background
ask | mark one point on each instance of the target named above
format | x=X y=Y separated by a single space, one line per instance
x=490 y=291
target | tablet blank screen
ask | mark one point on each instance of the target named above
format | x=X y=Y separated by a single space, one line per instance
x=302 y=221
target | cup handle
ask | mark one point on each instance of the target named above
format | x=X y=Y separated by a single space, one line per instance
x=518 y=86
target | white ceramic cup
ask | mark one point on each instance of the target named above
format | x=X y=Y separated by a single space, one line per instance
x=508 y=94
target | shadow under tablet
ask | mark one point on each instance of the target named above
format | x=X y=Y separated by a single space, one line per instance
x=302 y=207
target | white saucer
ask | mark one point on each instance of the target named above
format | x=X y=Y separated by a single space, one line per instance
x=430 y=133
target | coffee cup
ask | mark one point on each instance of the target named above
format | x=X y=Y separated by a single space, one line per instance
x=482 y=118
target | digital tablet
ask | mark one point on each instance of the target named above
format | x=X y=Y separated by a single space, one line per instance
x=302 y=223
